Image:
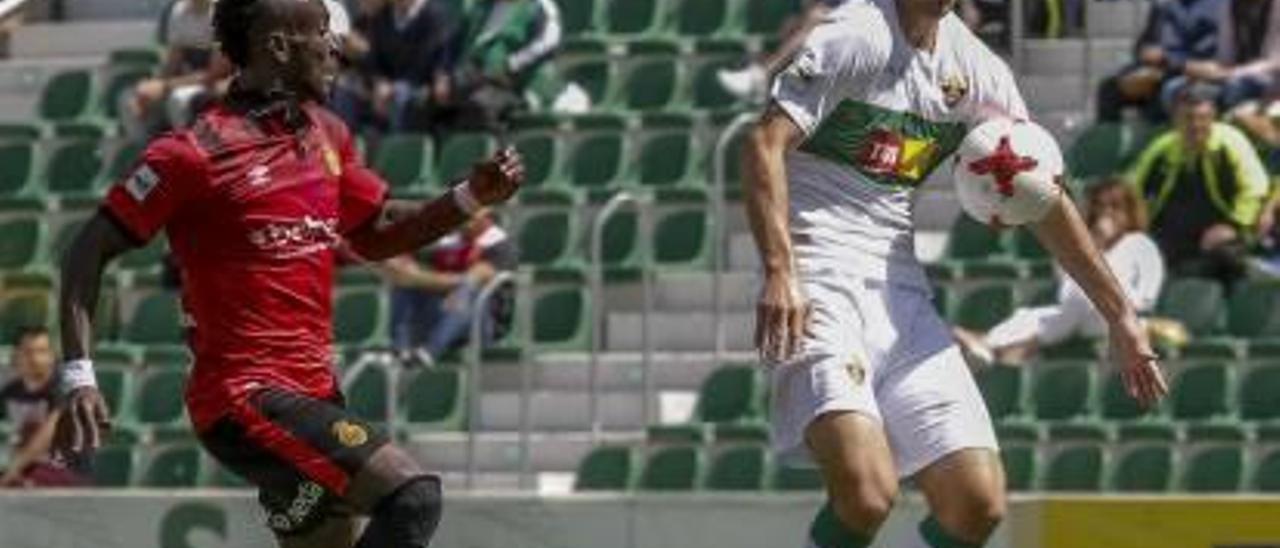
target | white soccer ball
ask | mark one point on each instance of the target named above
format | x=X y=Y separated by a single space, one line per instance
x=1007 y=172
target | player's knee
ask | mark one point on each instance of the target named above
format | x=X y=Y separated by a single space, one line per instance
x=864 y=508
x=975 y=514
x=419 y=501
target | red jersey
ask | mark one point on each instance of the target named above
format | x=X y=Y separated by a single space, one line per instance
x=253 y=211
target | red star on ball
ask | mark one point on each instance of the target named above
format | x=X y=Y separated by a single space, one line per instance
x=1003 y=164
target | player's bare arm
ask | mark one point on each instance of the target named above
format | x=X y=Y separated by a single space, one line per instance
x=84 y=413
x=1064 y=234
x=403 y=226
x=782 y=313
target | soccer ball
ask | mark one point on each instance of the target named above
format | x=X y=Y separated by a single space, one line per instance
x=1007 y=172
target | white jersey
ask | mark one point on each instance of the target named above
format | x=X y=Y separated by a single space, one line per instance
x=879 y=117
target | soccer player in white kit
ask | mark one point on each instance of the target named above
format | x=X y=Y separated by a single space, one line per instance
x=868 y=383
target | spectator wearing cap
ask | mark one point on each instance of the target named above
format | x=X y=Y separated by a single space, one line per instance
x=1204 y=186
x=1178 y=36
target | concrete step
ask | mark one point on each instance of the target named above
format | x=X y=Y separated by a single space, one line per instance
x=1053 y=57
x=570 y=410
x=1065 y=92
x=18 y=107
x=1107 y=56
x=40 y=40
x=97 y=10
x=693 y=291
x=500 y=452
x=546 y=483
x=22 y=76
x=618 y=371
x=1110 y=19
x=688 y=331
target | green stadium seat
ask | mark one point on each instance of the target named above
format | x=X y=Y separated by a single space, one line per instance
x=146 y=56
x=705 y=90
x=1142 y=431
x=667 y=157
x=788 y=478
x=113 y=466
x=1016 y=430
x=74 y=168
x=578 y=16
x=561 y=318
x=1019 y=466
x=67 y=96
x=1104 y=149
x=1254 y=309
x=1062 y=392
x=23 y=242
x=542 y=153
x=156 y=320
x=548 y=237
x=459 y=153
x=969 y=242
x=595 y=161
x=743 y=468
x=607 y=468
x=1117 y=404
x=1258 y=393
x=1214 y=469
x=1002 y=390
x=435 y=400
x=158 y=401
x=632 y=17
x=21 y=131
x=367 y=394
x=122 y=161
x=174 y=466
x=116 y=386
x=983 y=307
x=1144 y=468
x=1196 y=302
x=1202 y=392
x=1026 y=246
x=674 y=468
x=731 y=394
x=22 y=310
x=682 y=238
x=652 y=83
x=360 y=317
x=699 y=19
x=747 y=431
x=171 y=356
x=594 y=73
x=1266 y=476
x=1075 y=467
x=765 y=17
x=405 y=161
x=17 y=167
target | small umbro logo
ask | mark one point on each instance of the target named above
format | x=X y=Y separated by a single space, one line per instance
x=259 y=176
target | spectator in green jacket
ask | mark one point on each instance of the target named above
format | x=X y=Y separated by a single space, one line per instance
x=503 y=62
x=1205 y=188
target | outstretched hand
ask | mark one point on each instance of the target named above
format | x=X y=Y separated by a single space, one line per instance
x=1138 y=364
x=498 y=178
x=83 y=420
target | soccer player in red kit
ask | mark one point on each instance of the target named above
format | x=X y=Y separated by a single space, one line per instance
x=254 y=198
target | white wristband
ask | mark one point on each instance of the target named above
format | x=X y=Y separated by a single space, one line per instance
x=78 y=374
x=466 y=201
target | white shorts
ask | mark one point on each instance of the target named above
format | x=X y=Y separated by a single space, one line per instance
x=879 y=349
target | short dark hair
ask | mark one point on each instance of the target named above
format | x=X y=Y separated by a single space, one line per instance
x=1196 y=93
x=21 y=334
x=232 y=22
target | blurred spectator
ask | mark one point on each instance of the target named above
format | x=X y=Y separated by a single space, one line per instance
x=190 y=74
x=1204 y=185
x=1261 y=120
x=1117 y=220
x=29 y=402
x=1179 y=38
x=752 y=81
x=1248 y=60
x=432 y=305
x=503 y=65
x=413 y=45
x=353 y=88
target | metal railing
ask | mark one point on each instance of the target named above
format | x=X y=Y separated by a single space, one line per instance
x=475 y=358
x=598 y=310
x=719 y=231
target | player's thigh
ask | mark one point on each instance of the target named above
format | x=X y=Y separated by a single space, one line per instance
x=853 y=455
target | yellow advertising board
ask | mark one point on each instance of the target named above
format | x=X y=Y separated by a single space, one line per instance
x=1170 y=522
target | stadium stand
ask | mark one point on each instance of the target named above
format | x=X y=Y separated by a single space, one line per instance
x=1064 y=422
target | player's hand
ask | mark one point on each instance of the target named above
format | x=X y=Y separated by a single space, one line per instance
x=83 y=420
x=782 y=318
x=496 y=179
x=1138 y=364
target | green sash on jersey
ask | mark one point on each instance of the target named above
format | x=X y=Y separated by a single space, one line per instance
x=890 y=148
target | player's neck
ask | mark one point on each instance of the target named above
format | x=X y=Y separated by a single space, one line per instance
x=920 y=27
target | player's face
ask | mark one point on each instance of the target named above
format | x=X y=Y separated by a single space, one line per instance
x=307 y=53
